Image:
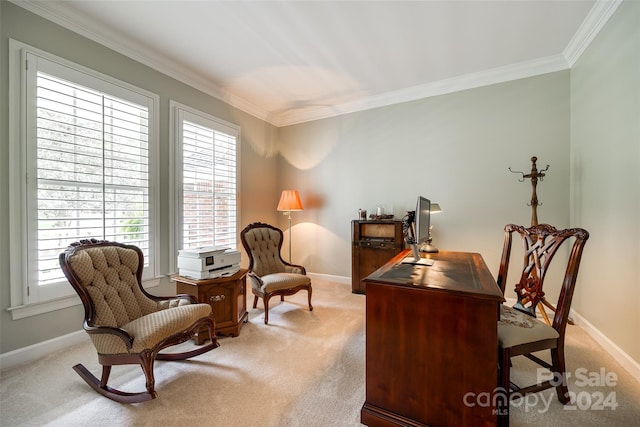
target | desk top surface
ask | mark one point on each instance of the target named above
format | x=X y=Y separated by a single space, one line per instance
x=458 y=272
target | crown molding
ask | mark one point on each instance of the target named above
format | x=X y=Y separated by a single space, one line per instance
x=68 y=18
x=455 y=84
x=596 y=19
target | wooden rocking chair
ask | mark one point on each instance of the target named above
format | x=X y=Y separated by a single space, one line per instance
x=126 y=324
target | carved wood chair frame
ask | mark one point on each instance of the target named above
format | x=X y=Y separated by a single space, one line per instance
x=257 y=291
x=541 y=242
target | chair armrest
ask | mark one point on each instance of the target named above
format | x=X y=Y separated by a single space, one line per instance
x=109 y=330
x=169 y=299
x=294 y=268
x=255 y=280
x=190 y=298
x=177 y=300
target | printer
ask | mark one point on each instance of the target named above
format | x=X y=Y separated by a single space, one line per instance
x=209 y=262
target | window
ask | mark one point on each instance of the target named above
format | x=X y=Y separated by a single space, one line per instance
x=87 y=167
x=206 y=157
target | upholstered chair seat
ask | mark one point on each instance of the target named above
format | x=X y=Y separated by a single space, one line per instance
x=279 y=281
x=515 y=328
x=151 y=329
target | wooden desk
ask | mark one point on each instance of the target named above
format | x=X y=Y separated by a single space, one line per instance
x=227 y=297
x=431 y=338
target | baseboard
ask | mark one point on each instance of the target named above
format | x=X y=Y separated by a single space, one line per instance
x=33 y=352
x=336 y=279
x=627 y=362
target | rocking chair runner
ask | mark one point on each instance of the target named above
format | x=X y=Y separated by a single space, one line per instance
x=126 y=324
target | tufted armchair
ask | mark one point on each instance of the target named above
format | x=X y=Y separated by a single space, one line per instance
x=126 y=324
x=269 y=274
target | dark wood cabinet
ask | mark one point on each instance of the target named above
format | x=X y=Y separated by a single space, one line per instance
x=373 y=244
x=227 y=297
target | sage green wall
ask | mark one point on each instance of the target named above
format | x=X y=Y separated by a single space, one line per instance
x=454 y=149
x=258 y=179
x=605 y=174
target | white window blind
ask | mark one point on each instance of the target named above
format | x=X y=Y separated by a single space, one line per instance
x=209 y=182
x=89 y=154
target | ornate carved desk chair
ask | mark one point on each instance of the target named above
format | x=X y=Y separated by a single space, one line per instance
x=268 y=273
x=519 y=332
x=126 y=324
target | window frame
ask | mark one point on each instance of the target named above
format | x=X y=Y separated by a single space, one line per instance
x=20 y=182
x=177 y=110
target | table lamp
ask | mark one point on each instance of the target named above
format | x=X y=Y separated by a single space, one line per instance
x=289 y=201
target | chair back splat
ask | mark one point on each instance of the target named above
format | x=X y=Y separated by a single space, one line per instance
x=126 y=324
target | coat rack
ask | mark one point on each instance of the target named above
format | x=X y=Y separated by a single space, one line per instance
x=535 y=175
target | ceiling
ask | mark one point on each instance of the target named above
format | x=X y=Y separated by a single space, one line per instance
x=293 y=61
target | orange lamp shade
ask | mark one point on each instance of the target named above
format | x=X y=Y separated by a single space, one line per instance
x=289 y=201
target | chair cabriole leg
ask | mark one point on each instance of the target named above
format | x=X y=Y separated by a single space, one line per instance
x=146 y=362
x=266 y=308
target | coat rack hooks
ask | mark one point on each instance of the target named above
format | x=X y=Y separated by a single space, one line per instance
x=534 y=175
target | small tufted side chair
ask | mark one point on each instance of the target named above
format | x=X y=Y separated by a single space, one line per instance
x=126 y=324
x=268 y=273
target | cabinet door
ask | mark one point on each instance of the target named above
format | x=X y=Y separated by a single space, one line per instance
x=374 y=243
x=372 y=258
x=220 y=298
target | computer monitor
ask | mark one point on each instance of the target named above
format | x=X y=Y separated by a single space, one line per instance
x=423 y=219
x=418 y=231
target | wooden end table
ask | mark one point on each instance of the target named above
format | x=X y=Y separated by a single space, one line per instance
x=227 y=297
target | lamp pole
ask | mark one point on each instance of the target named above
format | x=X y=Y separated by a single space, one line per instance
x=289 y=201
x=289 y=214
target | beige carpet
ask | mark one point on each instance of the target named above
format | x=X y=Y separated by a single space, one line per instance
x=304 y=369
